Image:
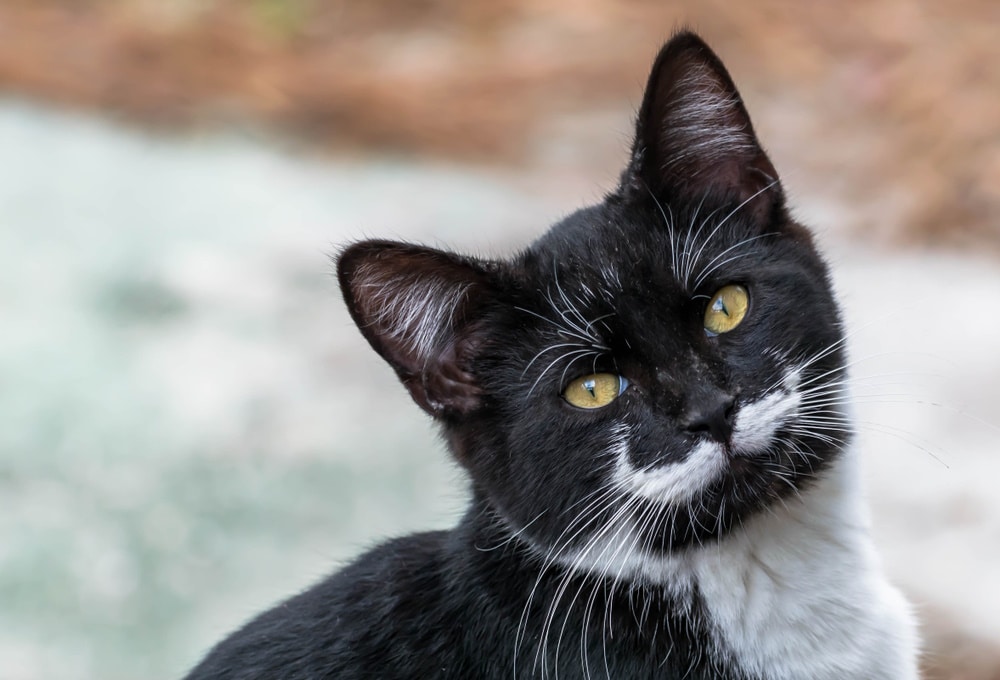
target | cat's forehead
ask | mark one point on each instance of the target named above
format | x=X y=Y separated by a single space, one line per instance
x=673 y=247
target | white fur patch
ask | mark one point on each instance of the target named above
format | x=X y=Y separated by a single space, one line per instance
x=797 y=593
x=674 y=482
x=757 y=422
x=800 y=593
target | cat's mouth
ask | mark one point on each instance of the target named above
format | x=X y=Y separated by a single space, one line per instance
x=757 y=431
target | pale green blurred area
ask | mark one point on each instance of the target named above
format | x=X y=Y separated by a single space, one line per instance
x=190 y=426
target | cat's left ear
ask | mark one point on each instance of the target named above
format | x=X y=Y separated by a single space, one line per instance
x=693 y=135
x=420 y=309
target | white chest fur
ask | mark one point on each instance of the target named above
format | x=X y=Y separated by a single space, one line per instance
x=798 y=593
x=801 y=594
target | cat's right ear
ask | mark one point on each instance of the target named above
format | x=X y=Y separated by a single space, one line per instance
x=420 y=309
x=694 y=137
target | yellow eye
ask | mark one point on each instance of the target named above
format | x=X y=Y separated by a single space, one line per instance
x=727 y=309
x=594 y=391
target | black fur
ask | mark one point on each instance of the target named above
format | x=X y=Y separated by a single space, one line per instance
x=603 y=291
x=442 y=605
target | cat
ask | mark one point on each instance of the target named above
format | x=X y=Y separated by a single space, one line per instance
x=650 y=403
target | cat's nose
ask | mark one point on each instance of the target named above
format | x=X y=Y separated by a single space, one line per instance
x=711 y=415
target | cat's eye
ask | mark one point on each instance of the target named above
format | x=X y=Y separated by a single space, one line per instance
x=595 y=390
x=726 y=309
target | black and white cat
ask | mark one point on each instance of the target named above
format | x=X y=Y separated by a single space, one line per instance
x=650 y=403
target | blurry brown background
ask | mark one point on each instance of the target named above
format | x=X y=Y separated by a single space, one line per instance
x=896 y=103
x=888 y=109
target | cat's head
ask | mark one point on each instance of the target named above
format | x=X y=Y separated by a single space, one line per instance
x=655 y=369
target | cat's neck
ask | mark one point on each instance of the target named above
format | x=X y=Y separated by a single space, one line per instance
x=827 y=516
x=797 y=591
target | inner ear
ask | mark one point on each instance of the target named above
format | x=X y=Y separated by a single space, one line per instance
x=421 y=310
x=693 y=134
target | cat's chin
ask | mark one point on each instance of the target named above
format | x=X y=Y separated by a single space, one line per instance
x=653 y=543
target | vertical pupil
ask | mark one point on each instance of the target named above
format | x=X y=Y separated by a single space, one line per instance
x=591 y=387
x=720 y=306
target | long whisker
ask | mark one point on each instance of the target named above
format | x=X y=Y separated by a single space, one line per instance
x=565 y=355
x=670 y=229
x=725 y=219
x=548 y=349
x=561 y=329
x=714 y=263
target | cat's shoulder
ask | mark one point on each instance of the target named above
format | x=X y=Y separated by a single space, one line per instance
x=356 y=618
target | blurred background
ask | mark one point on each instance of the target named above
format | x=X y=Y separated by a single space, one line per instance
x=192 y=429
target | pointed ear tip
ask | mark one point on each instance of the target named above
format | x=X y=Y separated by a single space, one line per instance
x=351 y=255
x=360 y=248
x=687 y=44
x=347 y=259
x=686 y=37
x=350 y=259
